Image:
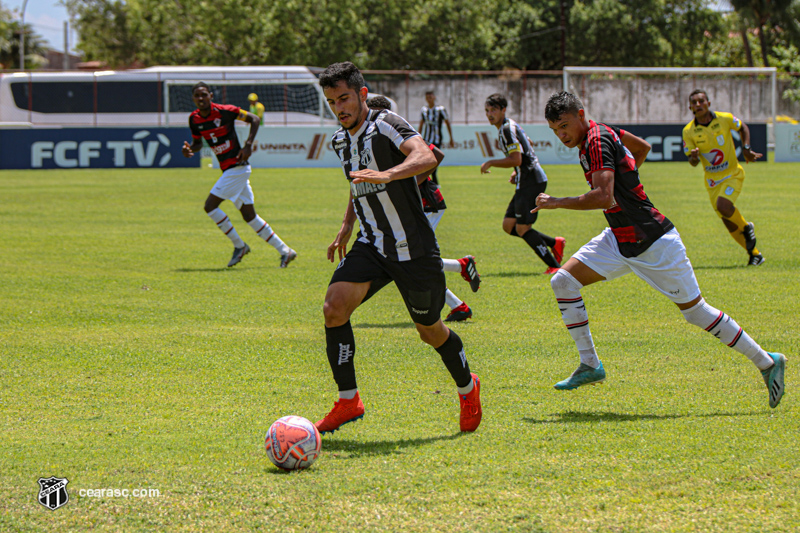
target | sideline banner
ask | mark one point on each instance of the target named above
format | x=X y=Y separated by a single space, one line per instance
x=787 y=142
x=311 y=146
x=93 y=148
x=667 y=140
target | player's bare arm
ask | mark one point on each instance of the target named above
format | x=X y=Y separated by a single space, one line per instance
x=439 y=155
x=254 y=122
x=343 y=237
x=514 y=159
x=637 y=146
x=452 y=143
x=600 y=197
x=749 y=155
x=419 y=159
x=190 y=149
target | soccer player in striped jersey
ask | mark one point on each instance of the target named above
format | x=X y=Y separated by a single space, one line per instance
x=381 y=154
x=434 y=205
x=708 y=139
x=639 y=239
x=530 y=180
x=430 y=126
x=215 y=123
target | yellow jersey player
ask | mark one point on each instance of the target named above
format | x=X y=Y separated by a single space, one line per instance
x=708 y=139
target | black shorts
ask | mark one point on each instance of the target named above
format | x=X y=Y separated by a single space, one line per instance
x=420 y=281
x=523 y=201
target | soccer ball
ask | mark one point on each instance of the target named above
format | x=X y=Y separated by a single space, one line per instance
x=293 y=443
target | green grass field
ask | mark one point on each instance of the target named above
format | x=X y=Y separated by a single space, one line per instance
x=132 y=358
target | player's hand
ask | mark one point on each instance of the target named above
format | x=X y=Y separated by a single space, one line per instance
x=694 y=156
x=485 y=167
x=370 y=176
x=187 y=149
x=544 y=201
x=340 y=243
x=513 y=178
x=750 y=155
x=451 y=144
x=244 y=153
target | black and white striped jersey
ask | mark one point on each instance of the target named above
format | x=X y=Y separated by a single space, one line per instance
x=512 y=138
x=390 y=215
x=432 y=119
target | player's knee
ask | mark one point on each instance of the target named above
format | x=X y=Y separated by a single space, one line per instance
x=335 y=313
x=725 y=207
x=563 y=282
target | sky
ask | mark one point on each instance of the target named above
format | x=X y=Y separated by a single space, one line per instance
x=47 y=19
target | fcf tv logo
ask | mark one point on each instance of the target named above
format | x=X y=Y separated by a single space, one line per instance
x=53 y=492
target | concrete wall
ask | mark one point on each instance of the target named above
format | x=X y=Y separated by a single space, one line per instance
x=630 y=100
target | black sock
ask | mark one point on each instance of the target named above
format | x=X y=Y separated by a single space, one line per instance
x=513 y=232
x=454 y=358
x=341 y=348
x=535 y=241
x=548 y=240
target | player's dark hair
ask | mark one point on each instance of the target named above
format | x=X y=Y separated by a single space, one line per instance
x=698 y=91
x=560 y=103
x=429 y=92
x=497 y=100
x=200 y=84
x=346 y=72
x=379 y=102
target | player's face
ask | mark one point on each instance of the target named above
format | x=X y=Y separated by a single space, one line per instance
x=496 y=115
x=349 y=105
x=570 y=129
x=699 y=104
x=431 y=99
x=202 y=98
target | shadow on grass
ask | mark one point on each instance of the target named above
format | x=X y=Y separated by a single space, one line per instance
x=513 y=274
x=221 y=269
x=360 y=448
x=605 y=416
x=716 y=267
x=353 y=449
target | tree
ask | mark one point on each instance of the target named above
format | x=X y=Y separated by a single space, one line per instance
x=10 y=31
x=765 y=16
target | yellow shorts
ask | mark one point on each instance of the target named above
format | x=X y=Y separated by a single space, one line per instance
x=724 y=185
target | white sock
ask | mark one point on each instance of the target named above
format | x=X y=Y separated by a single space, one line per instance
x=451 y=299
x=573 y=312
x=451 y=265
x=348 y=394
x=727 y=331
x=264 y=231
x=468 y=388
x=226 y=226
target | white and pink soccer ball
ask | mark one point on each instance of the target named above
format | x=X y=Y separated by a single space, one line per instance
x=293 y=443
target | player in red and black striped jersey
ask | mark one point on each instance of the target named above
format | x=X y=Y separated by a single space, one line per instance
x=215 y=123
x=639 y=240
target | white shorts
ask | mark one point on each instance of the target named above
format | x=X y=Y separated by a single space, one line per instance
x=234 y=185
x=664 y=265
x=435 y=218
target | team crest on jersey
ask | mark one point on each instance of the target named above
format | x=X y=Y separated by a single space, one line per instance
x=366 y=157
x=217 y=122
x=584 y=163
x=721 y=140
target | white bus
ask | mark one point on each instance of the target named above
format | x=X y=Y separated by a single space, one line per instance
x=157 y=96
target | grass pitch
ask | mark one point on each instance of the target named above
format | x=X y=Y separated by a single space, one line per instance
x=133 y=359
